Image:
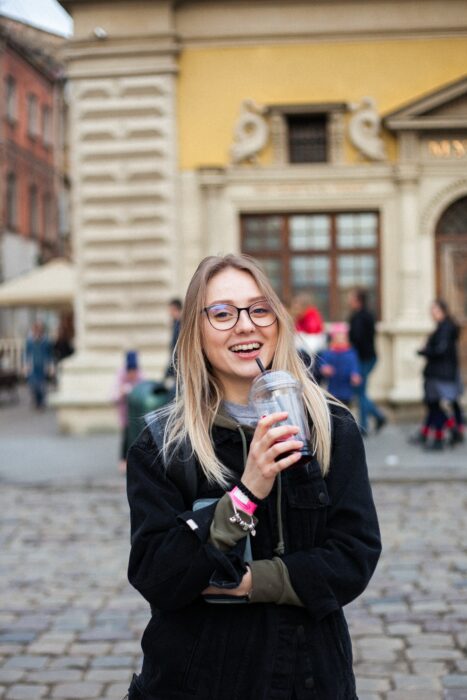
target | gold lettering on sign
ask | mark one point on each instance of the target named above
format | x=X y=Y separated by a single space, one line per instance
x=448 y=148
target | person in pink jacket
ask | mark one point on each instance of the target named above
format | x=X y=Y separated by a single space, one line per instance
x=126 y=379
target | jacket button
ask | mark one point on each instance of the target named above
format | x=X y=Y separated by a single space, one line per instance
x=309 y=682
x=322 y=497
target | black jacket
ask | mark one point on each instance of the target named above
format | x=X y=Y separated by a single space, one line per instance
x=362 y=334
x=441 y=352
x=194 y=650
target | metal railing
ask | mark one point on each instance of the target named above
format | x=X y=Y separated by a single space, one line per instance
x=11 y=354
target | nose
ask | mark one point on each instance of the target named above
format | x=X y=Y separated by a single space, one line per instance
x=244 y=322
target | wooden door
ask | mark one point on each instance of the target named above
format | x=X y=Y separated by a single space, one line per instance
x=451 y=259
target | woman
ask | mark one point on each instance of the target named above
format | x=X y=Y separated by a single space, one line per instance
x=442 y=381
x=314 y=533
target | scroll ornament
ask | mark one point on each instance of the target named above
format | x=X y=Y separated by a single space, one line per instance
x=364 y=129
x=251 y=133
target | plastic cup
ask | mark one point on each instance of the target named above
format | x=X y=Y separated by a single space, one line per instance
x=275 y=391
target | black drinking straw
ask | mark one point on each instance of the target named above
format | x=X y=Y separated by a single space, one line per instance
x=260 y=364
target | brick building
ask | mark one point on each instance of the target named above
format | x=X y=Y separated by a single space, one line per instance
x=33 y=222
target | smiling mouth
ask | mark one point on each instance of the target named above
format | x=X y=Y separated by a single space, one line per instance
x=246 y=347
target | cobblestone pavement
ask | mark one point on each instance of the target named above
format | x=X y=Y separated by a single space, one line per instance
x=70 y=624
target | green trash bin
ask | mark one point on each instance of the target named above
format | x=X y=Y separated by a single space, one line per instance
x=144 y=398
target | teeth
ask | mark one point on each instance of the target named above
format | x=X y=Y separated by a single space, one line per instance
x=245 y=347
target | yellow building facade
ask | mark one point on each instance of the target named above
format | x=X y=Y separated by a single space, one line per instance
x=327 y=138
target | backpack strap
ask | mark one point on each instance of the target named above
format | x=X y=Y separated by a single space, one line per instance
x=183 y=471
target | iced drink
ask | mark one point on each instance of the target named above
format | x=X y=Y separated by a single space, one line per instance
x=275 y=391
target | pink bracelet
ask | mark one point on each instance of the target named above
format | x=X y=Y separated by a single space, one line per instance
x=242 y=501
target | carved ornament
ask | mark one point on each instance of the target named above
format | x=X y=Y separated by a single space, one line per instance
x=364 y=129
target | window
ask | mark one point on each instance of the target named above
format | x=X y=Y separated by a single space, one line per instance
x=48 y=218
x=46 y=125
x=327 y=254
x=10 y=99
x=11 y=199
x=307 y=138
x=33 y=116
x=33 y=212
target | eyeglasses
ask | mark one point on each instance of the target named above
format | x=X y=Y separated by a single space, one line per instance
x=223 y=317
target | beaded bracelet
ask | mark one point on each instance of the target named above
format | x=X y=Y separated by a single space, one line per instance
x=237 y=518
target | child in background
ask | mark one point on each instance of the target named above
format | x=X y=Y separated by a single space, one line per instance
x=127 y=378
x=339 y=365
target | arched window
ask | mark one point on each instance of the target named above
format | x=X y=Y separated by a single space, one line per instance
x=11 y=205
x=454 y=219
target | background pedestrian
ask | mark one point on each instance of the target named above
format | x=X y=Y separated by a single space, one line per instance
x=441 y=381
x=126 y=379
x=339 y=365
x=39 y=367
x=175 y=308
x=362 y=338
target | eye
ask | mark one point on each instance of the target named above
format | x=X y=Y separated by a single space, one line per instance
x=222 y=313
x=260 y=310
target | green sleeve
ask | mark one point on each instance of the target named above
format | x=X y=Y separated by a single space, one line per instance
x=271 y=583
x=223 y=533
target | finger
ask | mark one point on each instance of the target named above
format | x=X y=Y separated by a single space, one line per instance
x=281 y=448
x=268 y=421
x=281 y=432
x=288 y=461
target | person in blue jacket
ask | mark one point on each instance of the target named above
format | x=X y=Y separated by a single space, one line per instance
x=38 y=360
x=339 y=365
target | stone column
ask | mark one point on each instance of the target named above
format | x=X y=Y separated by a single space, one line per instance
x=123 y=171
x=409 y=327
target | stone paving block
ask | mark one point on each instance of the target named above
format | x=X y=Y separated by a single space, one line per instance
x=371 y=642
x=431 y=640
x=372 y=684
x=115 y=691
x=84 y=649
x=112 y=661
x=25 y=692
x=55 y=676
x=432 y=653
x=8 y=649
x=109 y=675
x=455 y=680
x=455 y=694
x=126 y=648
x=415 y=682
x=11 y=675
x=70 y=662
x=430 y=668
x=27 y=662
x=403 y=629
x=369 y=696
x=380 y=669
x=461 y=665
x=78 y=691
x=51 y=648
x=414 y=695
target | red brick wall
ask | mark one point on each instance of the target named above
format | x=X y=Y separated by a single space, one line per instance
x=32 y=160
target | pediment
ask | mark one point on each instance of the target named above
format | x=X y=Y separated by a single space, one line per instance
x=443 y=109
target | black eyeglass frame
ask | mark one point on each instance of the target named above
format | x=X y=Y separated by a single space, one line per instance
x=239 y=309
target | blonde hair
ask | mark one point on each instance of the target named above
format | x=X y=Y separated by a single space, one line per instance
x=198 y=392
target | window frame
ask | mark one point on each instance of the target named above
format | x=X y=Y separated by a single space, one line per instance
x=33 y=115
x=11 y=191
x=11 y=100
x=34 y=220
x=333 y=252
x=46 y=125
